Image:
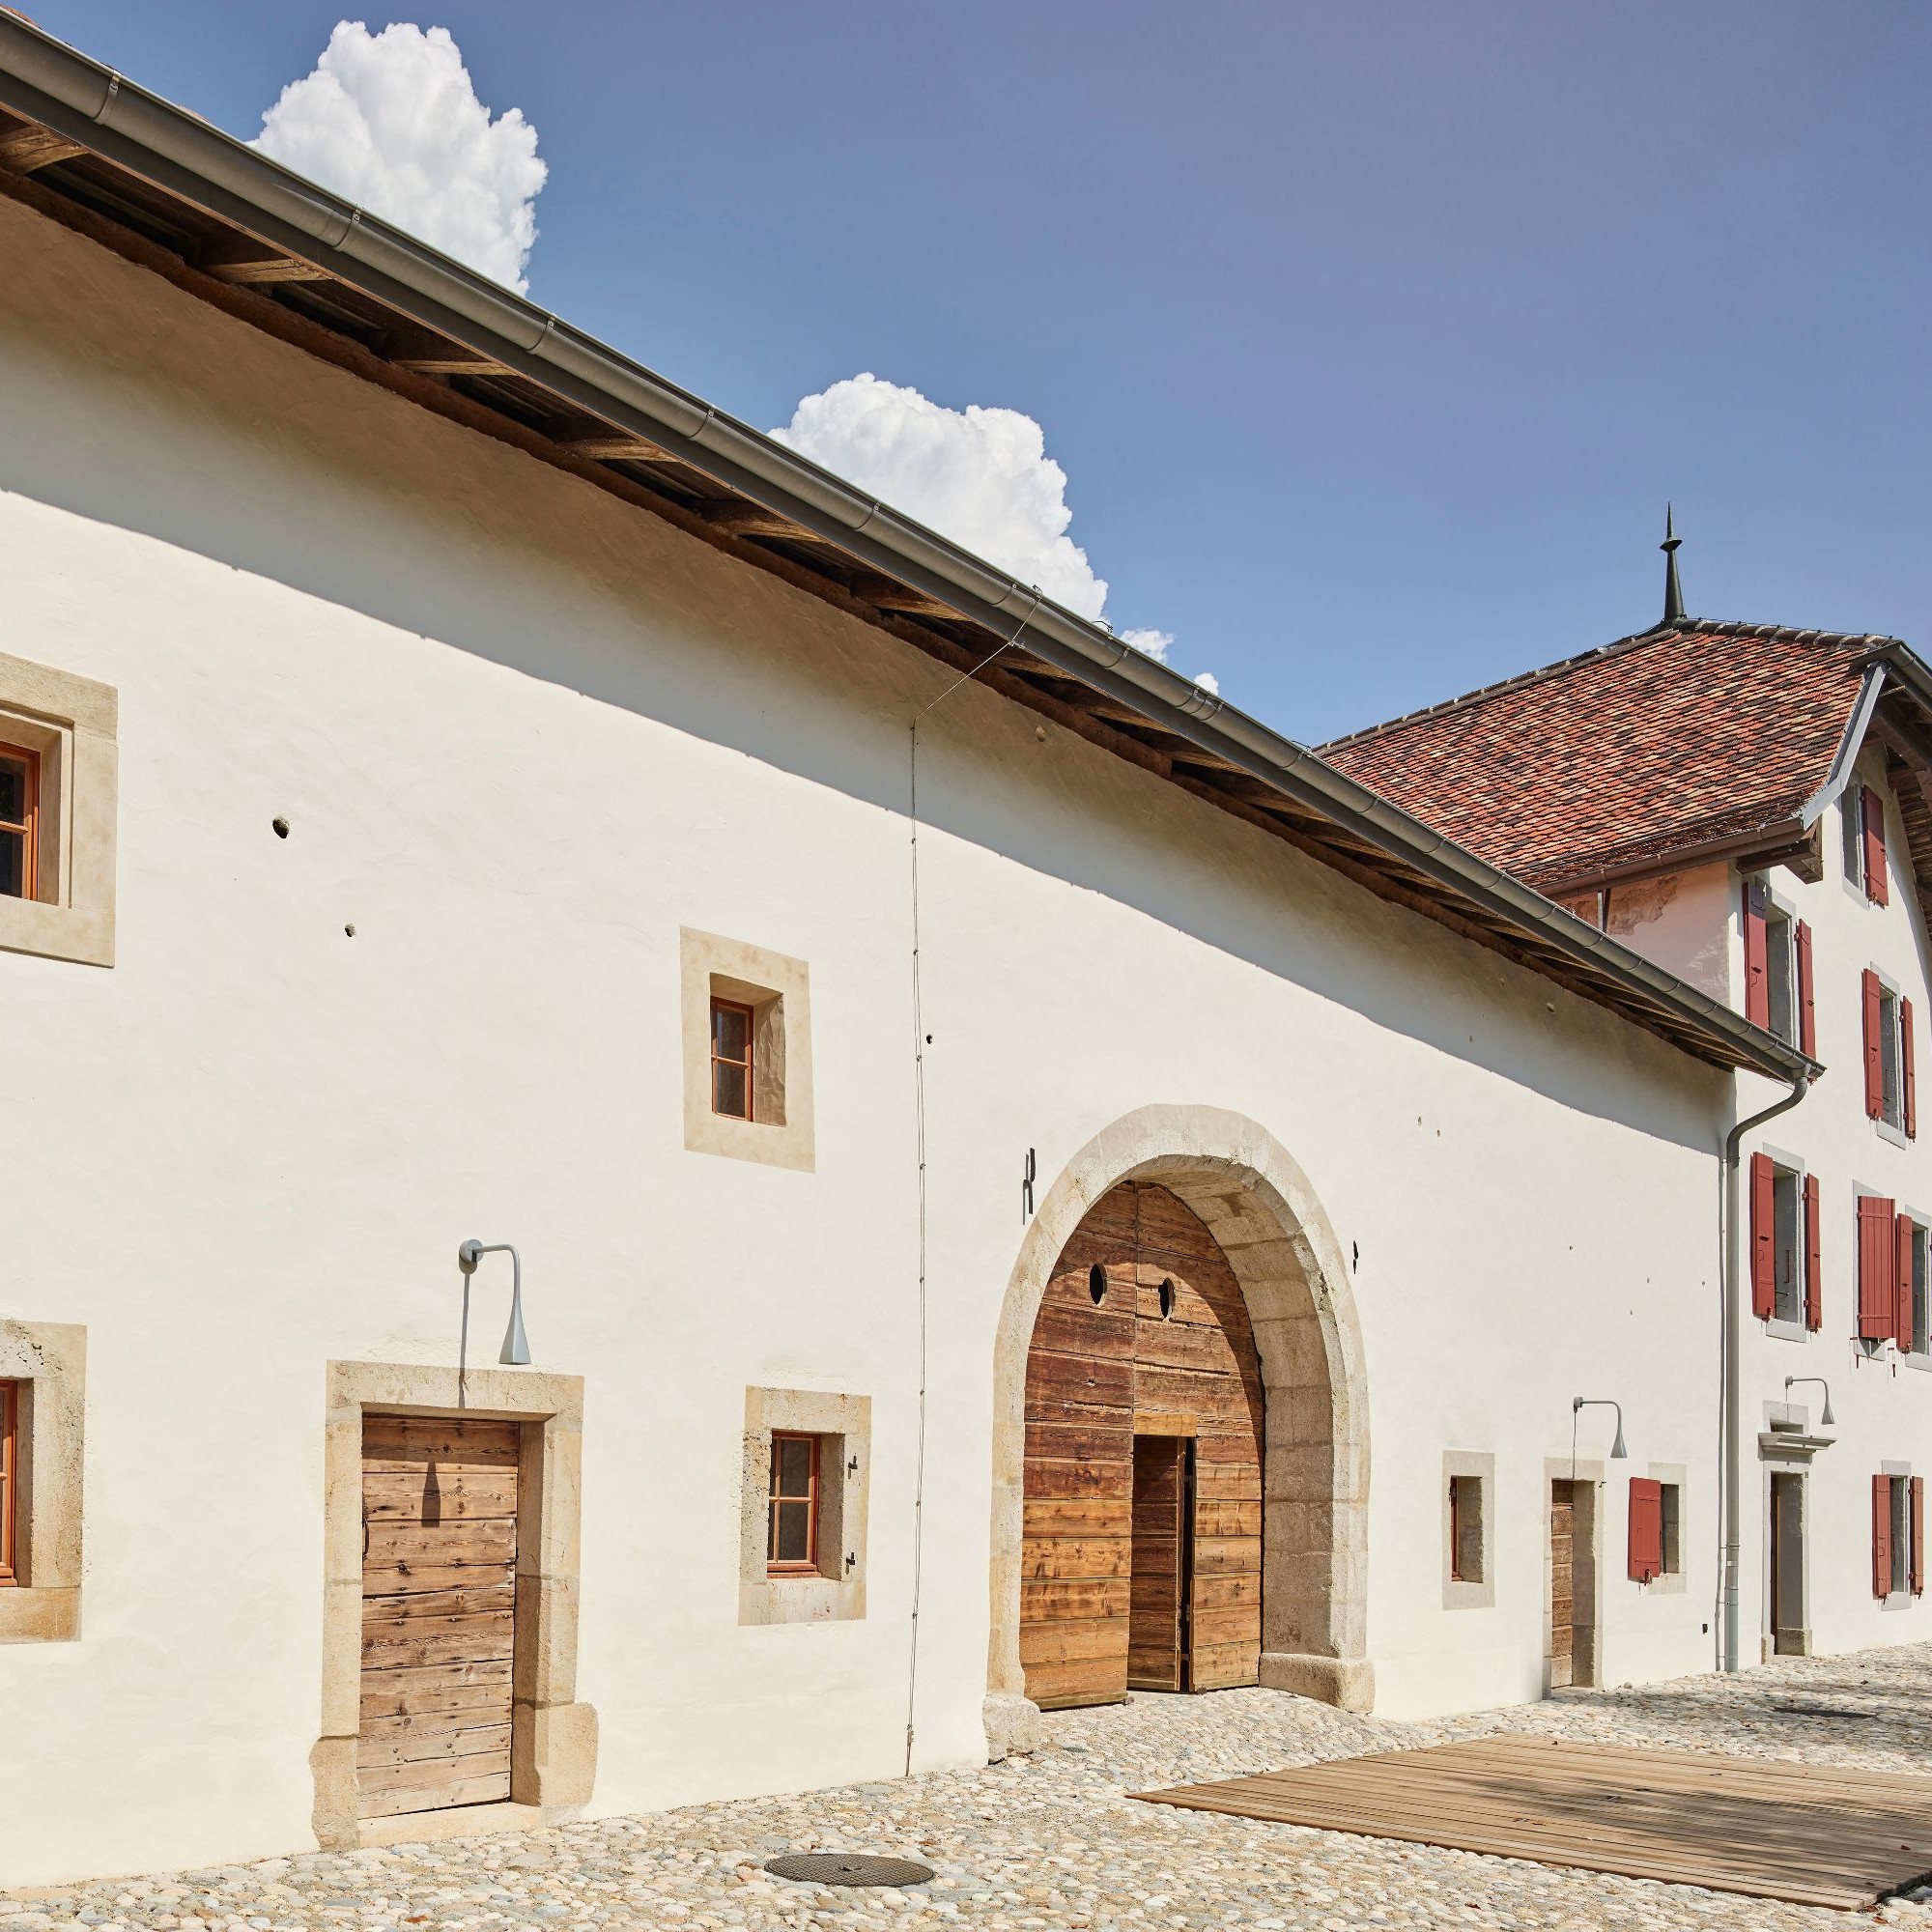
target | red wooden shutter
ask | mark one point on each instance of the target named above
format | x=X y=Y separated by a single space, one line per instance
x=1807 y=1008
x=1763 y=1238
x=1917 y=1534
x=1757 y=957
x=1877 y=887
x=1901 y=1286
x=1815 y=1273
x=1905 y=1079
x=1878 y=1262
x=1880 y=1536
x=1646 y=1530
x=1874 y=1048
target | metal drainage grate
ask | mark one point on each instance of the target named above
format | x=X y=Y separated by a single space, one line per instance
x=847 y=1868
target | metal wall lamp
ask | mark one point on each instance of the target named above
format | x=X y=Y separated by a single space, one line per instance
x=516 y=1345
x=1825 y=1419
x=1618 y=1454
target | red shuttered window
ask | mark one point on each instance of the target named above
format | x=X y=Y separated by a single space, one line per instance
x=1646 y=1530
x=1901 y=1287
x=1873 y=996
x=1917 y=1577
x=1878 y=1268
x=1880 y=1536
x=1878 y=888
x=1807 y=1009
x=1815 y=1273
x=1907 y=1077
x=1763 y=1236
x=1758 y=956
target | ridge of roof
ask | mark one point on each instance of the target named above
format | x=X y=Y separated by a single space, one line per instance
x=1701 y=627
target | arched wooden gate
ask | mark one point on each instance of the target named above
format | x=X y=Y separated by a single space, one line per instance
x=1142 y=1556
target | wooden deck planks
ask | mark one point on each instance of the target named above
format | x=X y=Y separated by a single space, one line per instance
x=1813 y=1834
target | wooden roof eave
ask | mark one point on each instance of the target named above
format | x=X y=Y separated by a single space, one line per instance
x=251 y=258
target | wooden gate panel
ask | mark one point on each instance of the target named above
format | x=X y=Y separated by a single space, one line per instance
x=439 y=1503
x=1190 y=1367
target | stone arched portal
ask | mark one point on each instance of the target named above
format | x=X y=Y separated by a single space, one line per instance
x=1255 y=1202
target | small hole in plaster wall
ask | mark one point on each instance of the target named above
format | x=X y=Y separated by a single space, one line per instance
x=349 y=932
x=1166 y=1300
x=1097 y=1284
x=281 y=827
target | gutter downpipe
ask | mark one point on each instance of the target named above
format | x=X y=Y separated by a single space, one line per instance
x=1733 y=1332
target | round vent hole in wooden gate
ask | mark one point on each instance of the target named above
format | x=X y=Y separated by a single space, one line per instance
x=847 y=1868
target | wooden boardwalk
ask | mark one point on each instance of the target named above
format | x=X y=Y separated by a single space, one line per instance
x=1814 y=1834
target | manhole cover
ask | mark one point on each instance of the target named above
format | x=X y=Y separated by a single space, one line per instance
x=847 y=1868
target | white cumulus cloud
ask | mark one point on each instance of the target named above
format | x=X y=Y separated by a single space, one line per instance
x=981 y=476
x=392 y=122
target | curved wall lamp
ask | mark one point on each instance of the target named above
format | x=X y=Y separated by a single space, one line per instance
x=516 y=1345
x=1826 y=1420
x=1618 y=1454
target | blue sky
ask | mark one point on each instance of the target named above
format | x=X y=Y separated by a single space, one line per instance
x=1371 y=339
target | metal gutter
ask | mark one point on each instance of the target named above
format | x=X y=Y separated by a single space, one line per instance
x=46 y=80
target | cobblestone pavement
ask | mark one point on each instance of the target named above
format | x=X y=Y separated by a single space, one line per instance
x=1051 y=1841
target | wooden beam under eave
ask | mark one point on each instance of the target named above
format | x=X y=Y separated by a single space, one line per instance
x=613 y=449
x=253 y=265
x=425 y=352
x=905 y=602
x=28 y=149
x=754 y=520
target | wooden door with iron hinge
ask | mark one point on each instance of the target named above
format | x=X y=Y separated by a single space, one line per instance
x=439 y=1501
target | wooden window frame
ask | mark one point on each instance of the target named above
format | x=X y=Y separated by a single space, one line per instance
x=751 y=1018
x=10 y=1482
x=1462 y=1542
x=808 y=1565
x=28 y=825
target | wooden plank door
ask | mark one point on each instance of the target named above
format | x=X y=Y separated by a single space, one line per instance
x=1788 y=1566
x=1562 y=1583
x=439 y=1611
x=1157 y=1639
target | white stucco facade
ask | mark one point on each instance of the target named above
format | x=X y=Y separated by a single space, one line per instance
x=525 y=736
x=1882 y=1396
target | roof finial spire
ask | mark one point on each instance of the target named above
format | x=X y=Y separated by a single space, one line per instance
x=1673 y=591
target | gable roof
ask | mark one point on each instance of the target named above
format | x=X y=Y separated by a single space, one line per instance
x=158 y=184
x=1700 y=738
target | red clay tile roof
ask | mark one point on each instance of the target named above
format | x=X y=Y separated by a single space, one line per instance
x=1650 y=747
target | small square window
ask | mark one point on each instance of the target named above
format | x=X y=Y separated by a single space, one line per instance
x=1781 y=971
x=1852 y=833
x=1921 y=1315
x=1466 y=1529
x=732 y=1085
x=1787 y=1239
x=1890 y=1048
x=19 y=822
x=9 y=1481
x=1901 y=1535
x=791 y=1540
x=1670 y=1520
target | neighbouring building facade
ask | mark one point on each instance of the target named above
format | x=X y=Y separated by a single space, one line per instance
x=1751 y=806
x=1017 y=1181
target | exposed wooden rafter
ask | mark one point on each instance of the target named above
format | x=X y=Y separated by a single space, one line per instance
x=26 y=148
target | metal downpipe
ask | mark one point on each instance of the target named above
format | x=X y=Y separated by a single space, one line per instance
x=1733 y=1334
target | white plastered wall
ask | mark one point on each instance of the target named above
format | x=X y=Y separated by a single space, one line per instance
x=522 y=734
x=1883 y=1404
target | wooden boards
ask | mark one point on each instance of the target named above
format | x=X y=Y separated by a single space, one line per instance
x=439 y=1611
x=1167 y=1342
x=1162 y=1533
x=1810 y=1834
